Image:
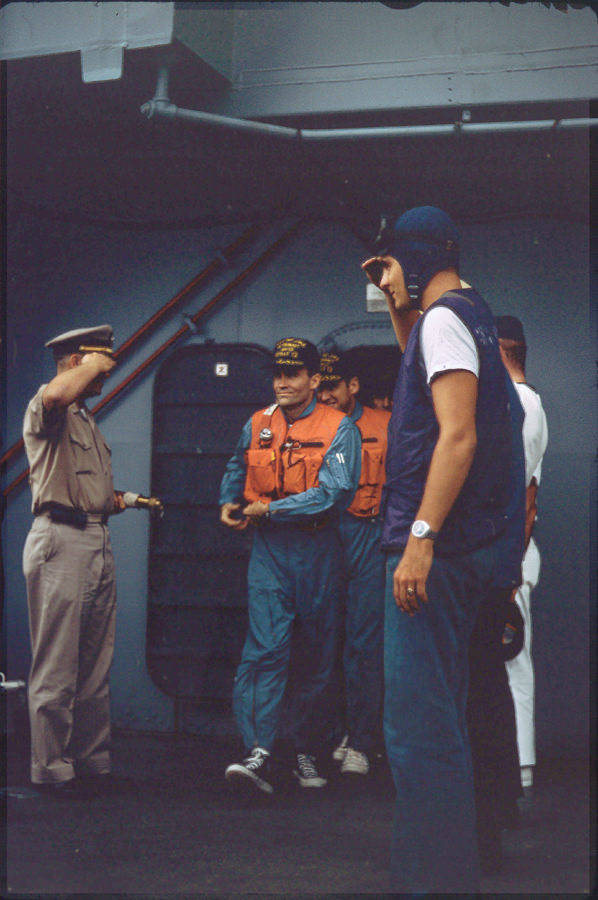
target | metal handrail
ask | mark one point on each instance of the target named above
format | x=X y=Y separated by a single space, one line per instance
x=195 y=318
x=144 y=329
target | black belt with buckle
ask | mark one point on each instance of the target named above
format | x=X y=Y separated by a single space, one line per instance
x=68 y=515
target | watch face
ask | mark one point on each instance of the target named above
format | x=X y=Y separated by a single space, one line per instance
x=420 y=528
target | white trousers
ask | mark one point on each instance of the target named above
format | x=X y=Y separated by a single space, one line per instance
x=521 y=669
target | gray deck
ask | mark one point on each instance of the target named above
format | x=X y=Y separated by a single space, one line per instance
x=183 y=833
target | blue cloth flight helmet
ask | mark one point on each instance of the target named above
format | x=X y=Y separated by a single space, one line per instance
x=424 y=240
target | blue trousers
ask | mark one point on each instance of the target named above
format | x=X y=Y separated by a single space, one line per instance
x=426 y=683
x=293 y=574
x=363 y=595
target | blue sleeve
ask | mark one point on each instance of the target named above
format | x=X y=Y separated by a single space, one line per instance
x=233 y=480
x=338 y=479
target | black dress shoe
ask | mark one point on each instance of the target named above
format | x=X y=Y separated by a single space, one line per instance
x=60 y=790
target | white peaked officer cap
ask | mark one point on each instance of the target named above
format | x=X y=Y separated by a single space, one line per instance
x=70 y=341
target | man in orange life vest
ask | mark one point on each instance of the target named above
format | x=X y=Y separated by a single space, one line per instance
x=359 y=529
x=295 y=461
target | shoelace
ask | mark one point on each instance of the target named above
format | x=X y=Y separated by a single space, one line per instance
x=254 y=761
x=355 y=755
x=306 y=764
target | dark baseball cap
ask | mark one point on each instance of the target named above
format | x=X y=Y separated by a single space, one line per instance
x=294 y=353
x=333 y=368
x=510 y=328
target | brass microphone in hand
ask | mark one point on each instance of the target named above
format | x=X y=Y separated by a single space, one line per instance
x=153 y=504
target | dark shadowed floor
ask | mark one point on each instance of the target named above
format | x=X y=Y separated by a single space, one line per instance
x=182 y=832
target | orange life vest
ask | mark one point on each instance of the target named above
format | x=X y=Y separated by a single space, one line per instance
x=289 y=461
x=373 y=425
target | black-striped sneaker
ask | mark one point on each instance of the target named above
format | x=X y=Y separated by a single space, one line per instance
x=251 y=771
x=307 y=774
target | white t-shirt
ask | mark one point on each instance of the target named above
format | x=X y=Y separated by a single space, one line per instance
x=447 y=344
x=535 y=438
x=530 y=566
x=535 y=431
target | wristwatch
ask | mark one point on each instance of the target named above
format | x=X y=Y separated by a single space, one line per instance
x=421 y=529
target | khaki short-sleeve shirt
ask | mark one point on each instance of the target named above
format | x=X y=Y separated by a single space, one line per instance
x=69 y=459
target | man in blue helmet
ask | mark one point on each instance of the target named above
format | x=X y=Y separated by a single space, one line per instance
x=450 y=477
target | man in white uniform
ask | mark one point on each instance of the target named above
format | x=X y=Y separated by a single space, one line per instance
x=535 y=436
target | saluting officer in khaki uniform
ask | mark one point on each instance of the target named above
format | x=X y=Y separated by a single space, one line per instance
x=69 y=568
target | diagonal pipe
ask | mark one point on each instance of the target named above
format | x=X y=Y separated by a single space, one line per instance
x=195 y=318
x=220 y=261
x=211 y=269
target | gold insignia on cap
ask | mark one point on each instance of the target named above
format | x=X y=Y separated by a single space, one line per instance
x=99 y=335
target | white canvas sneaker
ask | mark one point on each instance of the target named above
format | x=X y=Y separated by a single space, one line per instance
x=339 y=752
x=355 y=763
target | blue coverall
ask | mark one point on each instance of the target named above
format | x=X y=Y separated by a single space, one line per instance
x=293 y=572
x=363 y=655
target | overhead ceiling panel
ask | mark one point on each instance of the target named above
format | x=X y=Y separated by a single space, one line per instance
x=85 y=150
x=300 y=58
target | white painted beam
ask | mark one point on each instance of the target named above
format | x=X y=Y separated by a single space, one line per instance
x=100 y=31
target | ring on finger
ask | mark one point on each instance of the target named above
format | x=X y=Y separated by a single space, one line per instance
x=410 y=591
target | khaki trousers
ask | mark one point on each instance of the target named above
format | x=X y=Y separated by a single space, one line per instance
x=71 y=596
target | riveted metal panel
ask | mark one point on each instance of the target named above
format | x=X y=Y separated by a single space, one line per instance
x=197 y=569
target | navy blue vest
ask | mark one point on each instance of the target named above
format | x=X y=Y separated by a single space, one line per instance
x=481 y=510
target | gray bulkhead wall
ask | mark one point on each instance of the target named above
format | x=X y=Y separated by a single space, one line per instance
x=64 y=275
x=319 y=57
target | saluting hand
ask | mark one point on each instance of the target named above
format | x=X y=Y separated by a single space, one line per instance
x=103 y=362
